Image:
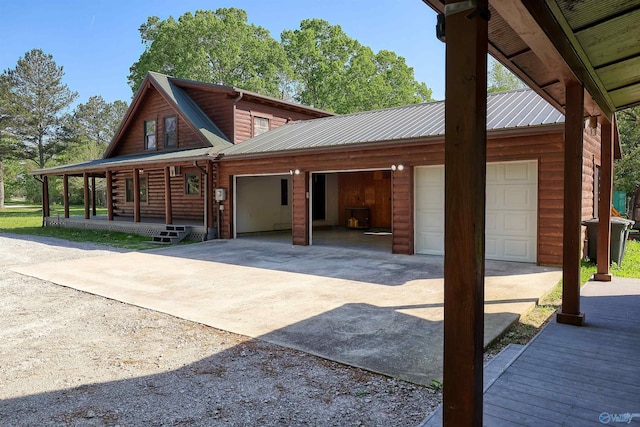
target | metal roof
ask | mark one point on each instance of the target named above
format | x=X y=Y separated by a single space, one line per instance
x=100 y=165
x=191 y=111
x=506 y=110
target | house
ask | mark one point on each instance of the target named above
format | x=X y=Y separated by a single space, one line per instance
x=159 y=167
x=385 y=169
x=179 y=146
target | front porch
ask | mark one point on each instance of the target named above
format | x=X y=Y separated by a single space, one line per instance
x=147 y=226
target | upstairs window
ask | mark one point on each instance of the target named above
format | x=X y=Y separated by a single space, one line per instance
x=260 y=125
x=192 y=183
x=170 y=132
x=150 y=135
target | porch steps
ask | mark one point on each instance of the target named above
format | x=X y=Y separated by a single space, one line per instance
x=171 y=235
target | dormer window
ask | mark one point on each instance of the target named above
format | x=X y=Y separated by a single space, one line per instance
x=150 y=135
x=260 y=125
x=170 y=132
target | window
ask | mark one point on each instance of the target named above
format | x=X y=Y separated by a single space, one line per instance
x=129 y=189
x=170 y=132
x=260 y=125
x=150 y=135
x=284 y=192
x=192 y=183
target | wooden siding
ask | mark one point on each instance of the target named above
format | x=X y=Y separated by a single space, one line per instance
x=246 y=110
x=591 y=160
x=218 y=106
x=403 y=202
x=184 y=206
x=366 y=189
x=154 y=107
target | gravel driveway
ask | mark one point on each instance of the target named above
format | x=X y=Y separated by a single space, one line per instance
x=73 y=359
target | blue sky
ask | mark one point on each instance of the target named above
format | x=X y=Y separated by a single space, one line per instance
x=96 y=41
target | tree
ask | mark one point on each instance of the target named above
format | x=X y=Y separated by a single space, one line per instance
x=500 y=79
x=627 y=169
x=40 y=100
x=7 y=140
x=335 y=72
x=90 y=128
x=217 y=47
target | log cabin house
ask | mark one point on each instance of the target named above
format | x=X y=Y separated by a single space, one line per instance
x=380 y=171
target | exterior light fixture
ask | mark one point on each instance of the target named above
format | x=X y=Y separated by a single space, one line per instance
x=294 y=172
x=397 y=167
x=592 y=123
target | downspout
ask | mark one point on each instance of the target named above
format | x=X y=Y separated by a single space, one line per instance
x=235 y=101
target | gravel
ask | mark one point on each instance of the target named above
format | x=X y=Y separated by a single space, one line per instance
x=70 y=358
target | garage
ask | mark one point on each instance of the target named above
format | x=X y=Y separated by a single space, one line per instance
x=511 y=210
x=263 y=203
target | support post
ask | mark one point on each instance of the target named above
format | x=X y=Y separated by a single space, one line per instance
x=93 y=196
x=572 y=227
x=46 y=210
x=136 y=195
x=109 y=178
x=85 y=179
x=465 y=178
x=604 y=207
x=300 y=207
x=168 y=208
x=209 y=201
x=65 y=194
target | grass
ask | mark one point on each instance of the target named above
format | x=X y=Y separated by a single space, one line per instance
x=21 y=218
x=531 y=323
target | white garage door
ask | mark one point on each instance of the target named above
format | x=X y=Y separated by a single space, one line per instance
x=511 y=215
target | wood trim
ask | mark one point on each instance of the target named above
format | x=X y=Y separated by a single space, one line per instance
x=168 y=213
x=465 y=158
x=85 y=179
x=109 y=177
x=65 y=194
x=136 y=195
x=604 y=211
x=93 y=196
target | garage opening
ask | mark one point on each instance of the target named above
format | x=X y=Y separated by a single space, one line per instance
x=352 y=209
x=263 y=206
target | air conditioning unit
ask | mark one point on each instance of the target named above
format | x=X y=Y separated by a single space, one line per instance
x=174 y=171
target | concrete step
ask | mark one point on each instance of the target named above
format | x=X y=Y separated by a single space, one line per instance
x=171 y=235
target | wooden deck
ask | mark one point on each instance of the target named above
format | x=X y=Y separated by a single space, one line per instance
x=575 y=376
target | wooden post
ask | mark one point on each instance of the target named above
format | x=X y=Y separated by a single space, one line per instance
x=46 y=210
x=93 y=196
x=168 y=212
x=300 y=207
x=65 y=194
x=136 y=195
x=109 y=177
x=465 y=178
x=209 y=201
x=572 y=227
x=604 y=208
x=85 y=179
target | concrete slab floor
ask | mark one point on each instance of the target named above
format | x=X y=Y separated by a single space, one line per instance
x=374 y=310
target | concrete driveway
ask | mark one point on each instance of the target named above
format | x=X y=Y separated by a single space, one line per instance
x=377 y=311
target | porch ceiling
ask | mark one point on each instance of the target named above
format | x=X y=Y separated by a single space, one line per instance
x=550 y=42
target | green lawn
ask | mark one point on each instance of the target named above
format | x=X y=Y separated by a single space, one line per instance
x=20 y=218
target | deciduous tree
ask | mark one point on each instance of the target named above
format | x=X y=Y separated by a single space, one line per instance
x=627 y=169
x=500 y=79
x=216 y=47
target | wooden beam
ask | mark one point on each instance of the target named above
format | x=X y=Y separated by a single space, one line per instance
x=211 y=184
x=168 y=212
x=93 y=196
x=46 y=210
x=136 y=195
x=604 y=207
x=300 y=208
x=85 y=180
x=465 y=178
x=109 y=177
x=572 y=227
x=65 y=194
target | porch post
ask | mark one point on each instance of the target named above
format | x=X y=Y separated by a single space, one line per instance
x=168 y=213
x=136 y=195
x=572 y=227
x=465 y=177
x=109 y=177
x=46 y=212
x=93 y=195
x=85 y=179
x=300 y=207
x=604 y=207
x=209 y=201
x=65 y=194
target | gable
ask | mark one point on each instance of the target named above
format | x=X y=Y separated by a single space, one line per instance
x=153 y=106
